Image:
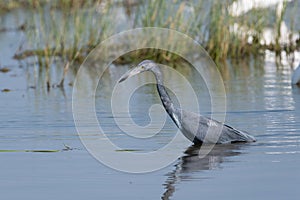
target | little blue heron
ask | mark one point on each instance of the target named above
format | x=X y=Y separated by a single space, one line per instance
x=196 y=128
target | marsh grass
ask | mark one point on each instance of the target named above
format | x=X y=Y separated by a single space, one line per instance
x=69 y=29
x=8 y=5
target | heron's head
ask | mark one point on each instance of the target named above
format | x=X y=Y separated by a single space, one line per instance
x=143 y=66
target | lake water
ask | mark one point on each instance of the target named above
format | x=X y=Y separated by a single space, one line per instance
x=42 y=156
x=260 y=100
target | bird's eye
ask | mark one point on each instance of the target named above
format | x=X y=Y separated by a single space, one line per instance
x=142 y=67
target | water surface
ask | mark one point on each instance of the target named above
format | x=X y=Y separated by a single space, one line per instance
x=259 y=100
x=42 y=157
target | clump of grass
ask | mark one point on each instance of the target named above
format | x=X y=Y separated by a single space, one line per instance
x=64 y=31
x=218 y=32
x=70 y=32
x=8 y=5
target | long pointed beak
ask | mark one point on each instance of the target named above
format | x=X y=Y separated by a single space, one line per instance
x=129 y=74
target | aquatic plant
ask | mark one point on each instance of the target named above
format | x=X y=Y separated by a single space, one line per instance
x=64 y=30
x=68 y=30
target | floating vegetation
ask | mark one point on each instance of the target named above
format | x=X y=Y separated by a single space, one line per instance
x=66 y=148
x=33 y=151
x=127 y=150
x=4 y=70
x=5 y=90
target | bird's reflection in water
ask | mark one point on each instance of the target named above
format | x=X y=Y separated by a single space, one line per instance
x=195 y=160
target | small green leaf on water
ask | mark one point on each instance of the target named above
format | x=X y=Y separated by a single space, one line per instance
x=34 y=151
x=42 y=151
x=5 y=90
x=4 y=151
x=4 y=70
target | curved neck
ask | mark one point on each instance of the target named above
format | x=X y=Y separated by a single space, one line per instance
x=164 y=96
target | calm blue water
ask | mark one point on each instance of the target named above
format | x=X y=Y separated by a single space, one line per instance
x=260 y=100
x=262 y=103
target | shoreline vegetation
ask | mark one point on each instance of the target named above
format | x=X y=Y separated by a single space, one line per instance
x=69 y=29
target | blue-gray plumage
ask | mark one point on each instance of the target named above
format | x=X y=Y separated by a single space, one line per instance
x=296 y=76
x=195 y=127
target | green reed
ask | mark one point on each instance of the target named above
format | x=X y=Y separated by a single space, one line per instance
x=70 y=29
